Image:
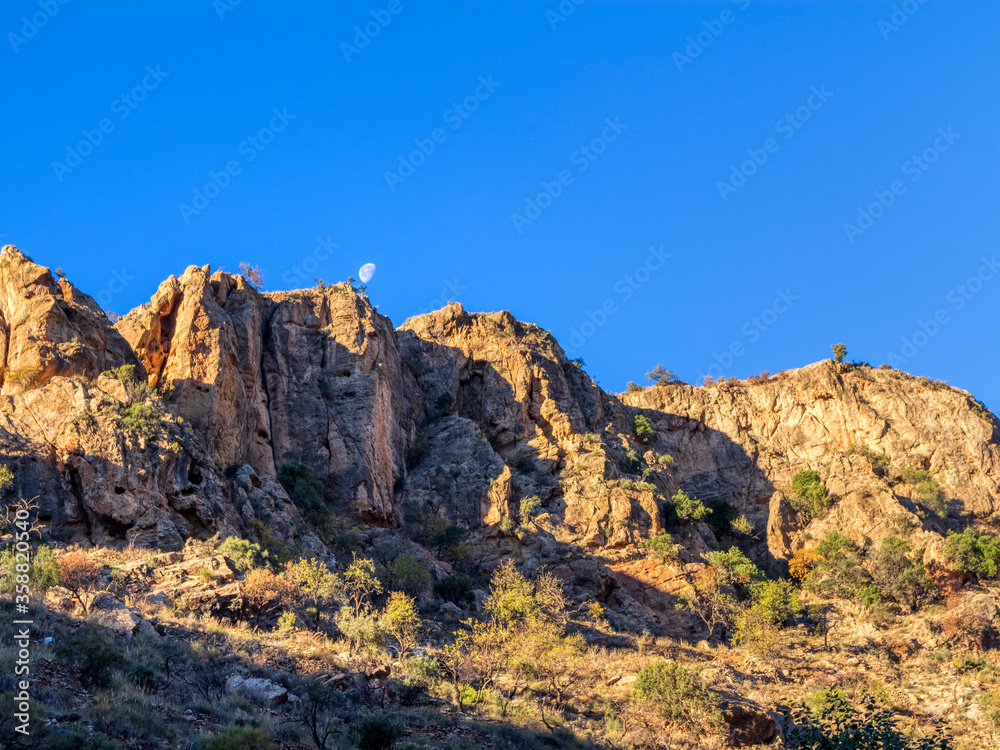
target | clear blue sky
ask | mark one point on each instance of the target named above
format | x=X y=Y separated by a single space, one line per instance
x=763 y=265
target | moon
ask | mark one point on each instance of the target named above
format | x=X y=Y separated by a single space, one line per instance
x=366 y=272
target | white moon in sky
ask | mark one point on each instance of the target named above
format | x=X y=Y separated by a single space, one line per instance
x=366 y=272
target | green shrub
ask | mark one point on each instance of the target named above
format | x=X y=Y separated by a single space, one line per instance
x=240 y=738
x=94 y=659
x=661 y=547
x=408 y=574
x=734 y=567
x=24 y=378
x=809 y=495
x=43 y=570
x=142 y=420
x=930 y=495
x=838 y=570
x=643 y=428
x=689 y=508
x=304 y=490
x=456 y=589
x=243 y=555
x=326 y=390
x=633 y=462
x=375 y=732
x=973 y=552
x=444 y=405
x=136 y=390
x=899 y=578
x=839 y=352
x=829 y=722
x=660 y=375
x=679 y=694
x=911 y=475
x=528 y=508
x=777 y=601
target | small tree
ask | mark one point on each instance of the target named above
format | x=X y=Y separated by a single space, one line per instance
x=809 y=494
x=360 y=583
x=660 y=375
x=680 y=695
x=319 y=584
x=400 y=621
x=689 y=508
x=973 y=552
x=264 y=594
x=662 y=547
x=253 y=275
x=80 y=576
x=643 y=428
x=839 y=352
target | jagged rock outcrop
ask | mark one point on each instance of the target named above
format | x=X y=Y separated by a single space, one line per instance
x=312 y=375
x=456 y=415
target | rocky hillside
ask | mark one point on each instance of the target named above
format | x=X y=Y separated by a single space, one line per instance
x=308 y=516
x=454 y=415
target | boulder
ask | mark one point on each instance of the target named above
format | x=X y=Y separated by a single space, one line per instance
x=258 y=689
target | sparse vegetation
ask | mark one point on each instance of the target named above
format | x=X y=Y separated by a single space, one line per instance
x=839 y=352
x=643 y=428
x=974 y=552
x=688 y=508
x=809 y=495
x=660 y=375
x=253 y=275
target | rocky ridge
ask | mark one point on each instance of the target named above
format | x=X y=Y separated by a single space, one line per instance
x=453 y=415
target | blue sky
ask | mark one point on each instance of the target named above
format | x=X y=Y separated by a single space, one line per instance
x=723 y=188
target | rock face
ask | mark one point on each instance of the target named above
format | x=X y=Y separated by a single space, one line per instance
x=477 y=420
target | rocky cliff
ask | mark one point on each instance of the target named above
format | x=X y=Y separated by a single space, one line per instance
x=453 y=415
